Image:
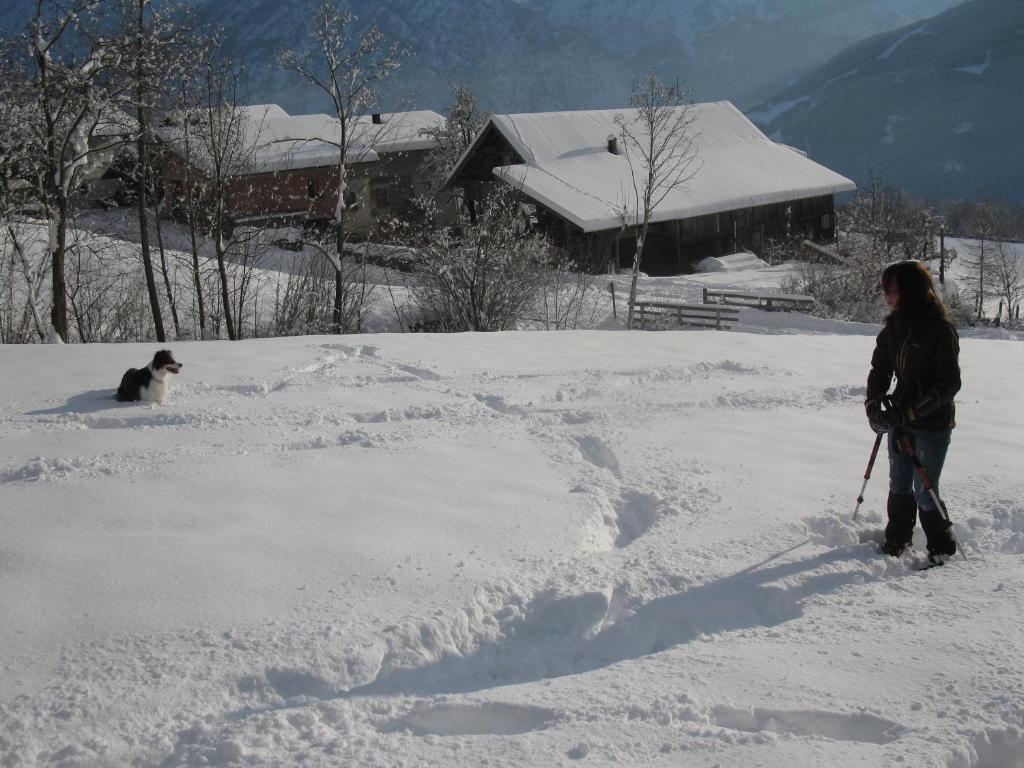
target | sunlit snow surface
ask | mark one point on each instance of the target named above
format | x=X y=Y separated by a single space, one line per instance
x=593 y=548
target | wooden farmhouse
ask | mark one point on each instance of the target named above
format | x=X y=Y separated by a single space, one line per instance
x=574 y=176
x=290 y=175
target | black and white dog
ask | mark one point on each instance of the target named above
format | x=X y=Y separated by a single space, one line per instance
x=148 y=384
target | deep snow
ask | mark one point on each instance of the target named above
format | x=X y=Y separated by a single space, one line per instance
x=574 y=548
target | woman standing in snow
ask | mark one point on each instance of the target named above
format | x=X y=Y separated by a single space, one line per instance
x=920 y=346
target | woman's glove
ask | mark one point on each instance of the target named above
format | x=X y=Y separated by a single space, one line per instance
x=882 y=421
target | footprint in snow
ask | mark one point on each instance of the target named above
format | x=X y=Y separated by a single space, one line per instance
x=597 y=452
x=830 y=725
x=473 y=719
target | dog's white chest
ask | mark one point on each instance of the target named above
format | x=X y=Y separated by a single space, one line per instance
x=154 y=392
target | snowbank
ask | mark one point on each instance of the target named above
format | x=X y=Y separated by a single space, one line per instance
x=734 y=262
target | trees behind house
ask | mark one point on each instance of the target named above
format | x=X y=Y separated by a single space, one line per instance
x=658 y=143
x=346 y=66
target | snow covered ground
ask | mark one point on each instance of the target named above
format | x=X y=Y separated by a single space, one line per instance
x=577 y=548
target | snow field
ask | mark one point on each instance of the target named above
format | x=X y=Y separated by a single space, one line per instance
x=507 y=549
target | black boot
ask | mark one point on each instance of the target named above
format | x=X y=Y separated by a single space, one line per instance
x=937 y=530
x=902 y=510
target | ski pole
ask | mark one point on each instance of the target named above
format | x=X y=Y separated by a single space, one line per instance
x=908 y=448
x=867 y=475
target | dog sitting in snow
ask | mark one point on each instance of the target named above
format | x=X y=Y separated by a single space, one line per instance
x=148 y=384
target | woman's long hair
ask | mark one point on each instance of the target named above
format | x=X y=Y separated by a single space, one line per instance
x=918 y=297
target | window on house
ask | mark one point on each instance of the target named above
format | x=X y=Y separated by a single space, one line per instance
x=826 y=221
x=381 y=194
x=311 y=187
x=756 y=239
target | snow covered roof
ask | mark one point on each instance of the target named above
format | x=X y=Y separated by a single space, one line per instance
x=567 y=166
x=280 y=141
x=286 y=141
x=399 y=131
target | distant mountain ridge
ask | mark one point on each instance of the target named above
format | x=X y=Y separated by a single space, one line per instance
x=936 y=108
x=535 y=55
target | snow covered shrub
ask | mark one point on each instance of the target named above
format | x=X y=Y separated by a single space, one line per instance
x=107 y=298
x=568 y=298
x=880 y=227
x=24 y=274
x=961 y=312
x=303 y=300
x=484 y=277
x=841 y=291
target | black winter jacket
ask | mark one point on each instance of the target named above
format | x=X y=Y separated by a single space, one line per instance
x=923 y=352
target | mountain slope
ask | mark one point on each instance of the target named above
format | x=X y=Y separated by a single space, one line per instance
x=528 y=55
x=934 y=107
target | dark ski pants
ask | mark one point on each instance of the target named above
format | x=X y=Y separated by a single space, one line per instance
x=930 y=445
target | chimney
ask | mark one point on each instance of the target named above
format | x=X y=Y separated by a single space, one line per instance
x=376 y=118
x=613 y=145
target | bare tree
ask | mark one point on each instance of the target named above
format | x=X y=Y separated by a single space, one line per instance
x=978 y=257
x=23 y=270
x=73 y=88
x=464 y=122
x=188 y=111
x=217 y=145
x=658 y=143
x=247 y=250
x=347 y=66
x=1007 y=277
x=154 y=49
x=892 y=226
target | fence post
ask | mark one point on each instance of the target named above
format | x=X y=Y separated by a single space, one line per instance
x=611 y=289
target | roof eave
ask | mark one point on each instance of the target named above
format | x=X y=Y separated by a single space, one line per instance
x=590 y=225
